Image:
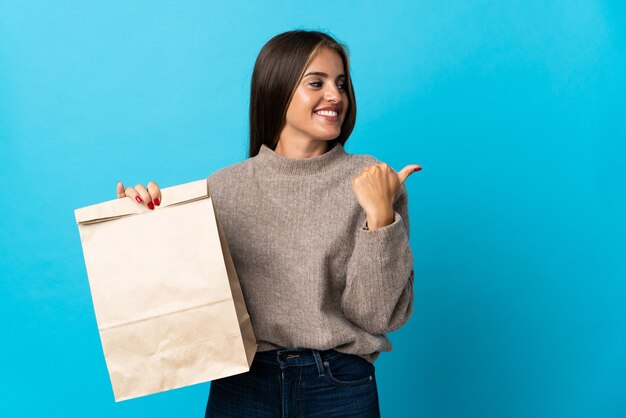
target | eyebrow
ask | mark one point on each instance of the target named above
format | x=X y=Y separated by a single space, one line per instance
x=321 y=74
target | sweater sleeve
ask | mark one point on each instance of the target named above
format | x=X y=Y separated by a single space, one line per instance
x=378 y=296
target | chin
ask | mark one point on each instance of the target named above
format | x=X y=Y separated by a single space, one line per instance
x=329 y=136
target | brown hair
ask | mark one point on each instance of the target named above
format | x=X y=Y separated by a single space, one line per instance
x=277 y=72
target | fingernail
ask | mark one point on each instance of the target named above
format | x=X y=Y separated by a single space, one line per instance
x=138 y=199
x=151 y=206
x=417 y=169
x=156 y=201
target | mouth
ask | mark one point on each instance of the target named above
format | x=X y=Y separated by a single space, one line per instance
x=328 y=115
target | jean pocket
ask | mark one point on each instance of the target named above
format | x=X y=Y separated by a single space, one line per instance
x=348 y=370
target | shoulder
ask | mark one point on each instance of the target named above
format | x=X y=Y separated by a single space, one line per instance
x=358 y=162
x=230 y=176
x=361 y=161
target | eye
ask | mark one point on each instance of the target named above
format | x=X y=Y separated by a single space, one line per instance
x=341 y=85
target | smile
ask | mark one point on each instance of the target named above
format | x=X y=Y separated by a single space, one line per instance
x=329 y=115
x=326 y=112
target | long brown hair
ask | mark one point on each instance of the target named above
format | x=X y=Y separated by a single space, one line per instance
x=277 y=73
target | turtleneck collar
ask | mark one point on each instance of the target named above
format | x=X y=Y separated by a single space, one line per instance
x=300 y=166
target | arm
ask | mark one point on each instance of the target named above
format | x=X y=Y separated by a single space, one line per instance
x=378 y=296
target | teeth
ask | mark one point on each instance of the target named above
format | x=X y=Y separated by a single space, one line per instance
x=326 y=112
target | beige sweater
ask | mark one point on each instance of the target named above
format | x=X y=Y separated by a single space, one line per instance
x=311 y=275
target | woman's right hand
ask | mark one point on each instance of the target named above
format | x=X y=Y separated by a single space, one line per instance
x=140 y=194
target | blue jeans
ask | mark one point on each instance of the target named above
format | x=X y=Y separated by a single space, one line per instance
x=296 y=382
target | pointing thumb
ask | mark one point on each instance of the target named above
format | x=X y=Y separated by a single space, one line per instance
x=408 y=170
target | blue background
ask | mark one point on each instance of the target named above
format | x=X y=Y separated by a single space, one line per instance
x=515 y=110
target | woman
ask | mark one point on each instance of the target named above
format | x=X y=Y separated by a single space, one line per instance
x=319 y=238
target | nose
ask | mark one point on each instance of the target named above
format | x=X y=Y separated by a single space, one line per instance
x=332 y=93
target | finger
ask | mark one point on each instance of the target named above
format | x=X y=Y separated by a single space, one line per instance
x=132 y=193
x=120 y=190
x=145 y=196
x=155 y=192
x=407 y=171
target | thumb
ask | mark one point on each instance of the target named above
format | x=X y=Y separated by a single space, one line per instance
x=120 y=190
x=408 y=170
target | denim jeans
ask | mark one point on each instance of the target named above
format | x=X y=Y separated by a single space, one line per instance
x=295 y=382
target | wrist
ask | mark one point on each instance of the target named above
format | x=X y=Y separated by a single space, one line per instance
x=379 y=220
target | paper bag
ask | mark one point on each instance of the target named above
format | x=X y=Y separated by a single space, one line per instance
x=167 y=299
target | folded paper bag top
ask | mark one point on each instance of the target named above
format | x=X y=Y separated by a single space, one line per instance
x=167 y=299
x=113 y=209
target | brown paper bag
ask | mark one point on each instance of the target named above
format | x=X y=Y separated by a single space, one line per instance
x=167 y=299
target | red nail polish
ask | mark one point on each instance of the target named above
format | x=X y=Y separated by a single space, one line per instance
x=138 y=199
x=417 y=169
x=156 y=201
x=151 y=206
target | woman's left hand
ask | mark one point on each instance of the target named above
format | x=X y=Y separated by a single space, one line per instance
x=376 y=187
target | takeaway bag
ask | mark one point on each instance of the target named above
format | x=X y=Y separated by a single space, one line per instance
x=168 y=303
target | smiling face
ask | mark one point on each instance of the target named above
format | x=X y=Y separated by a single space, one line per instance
x=320 y=102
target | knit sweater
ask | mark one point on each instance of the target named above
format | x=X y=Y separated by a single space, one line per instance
x=312 y=275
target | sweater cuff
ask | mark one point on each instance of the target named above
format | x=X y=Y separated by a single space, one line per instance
x=383 y=243
x=397 y=219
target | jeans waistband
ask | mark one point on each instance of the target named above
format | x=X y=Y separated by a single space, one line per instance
x=290 y=357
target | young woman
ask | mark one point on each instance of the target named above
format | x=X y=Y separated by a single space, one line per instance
x=319 y=238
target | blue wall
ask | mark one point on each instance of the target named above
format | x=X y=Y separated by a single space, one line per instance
x=516 y=111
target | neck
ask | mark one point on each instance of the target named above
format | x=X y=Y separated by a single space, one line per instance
x=301 y=148
x=277 y=163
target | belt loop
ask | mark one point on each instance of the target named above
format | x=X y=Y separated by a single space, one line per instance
x=278 y=360
x=318 y=361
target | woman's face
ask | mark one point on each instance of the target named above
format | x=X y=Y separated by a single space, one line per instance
x=320 y=102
